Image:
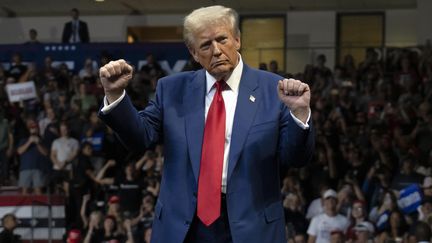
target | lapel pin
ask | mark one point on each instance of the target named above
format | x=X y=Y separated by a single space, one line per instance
x=252 y=98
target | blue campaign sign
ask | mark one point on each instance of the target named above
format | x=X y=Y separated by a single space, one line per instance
x=171 y=56
x=410 y=198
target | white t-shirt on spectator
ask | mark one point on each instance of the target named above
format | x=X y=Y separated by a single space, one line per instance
x=314 y=209
x=64 y=147
x=322 y=225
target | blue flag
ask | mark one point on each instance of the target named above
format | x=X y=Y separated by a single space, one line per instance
x=410 y=198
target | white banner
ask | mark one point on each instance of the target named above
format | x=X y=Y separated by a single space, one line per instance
x=21 y=91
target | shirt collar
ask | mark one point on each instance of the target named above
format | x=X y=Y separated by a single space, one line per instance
x=233 y=81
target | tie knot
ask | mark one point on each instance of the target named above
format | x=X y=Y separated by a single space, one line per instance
x=220 y=85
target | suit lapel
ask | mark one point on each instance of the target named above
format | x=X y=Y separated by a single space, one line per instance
x=247 y=104
x=194 y=105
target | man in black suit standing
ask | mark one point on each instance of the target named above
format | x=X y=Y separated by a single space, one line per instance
x=75 y=31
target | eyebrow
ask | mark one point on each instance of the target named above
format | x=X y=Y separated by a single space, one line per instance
x=218 y=38
x=205 y=43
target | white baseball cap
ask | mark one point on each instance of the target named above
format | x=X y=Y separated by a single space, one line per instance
x=329 y=193
x=427 y=182
x=364 y=226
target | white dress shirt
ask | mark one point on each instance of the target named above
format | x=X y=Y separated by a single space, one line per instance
x=75 y=37
x=229 y=95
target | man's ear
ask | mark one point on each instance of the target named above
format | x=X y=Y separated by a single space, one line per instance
x=237 y=43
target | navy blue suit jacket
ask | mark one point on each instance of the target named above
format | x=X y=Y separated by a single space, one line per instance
x=264 y=135
x=82 y=30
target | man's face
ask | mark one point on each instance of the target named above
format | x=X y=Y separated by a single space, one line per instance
x=74 y=14
x=362 y=236
x=33 y=128
x=215 y=48
x=357 y=211
x=407 y=167
x=63 y=131
x=10 y=223
x=33 y=35
x=336 y=238
x=48 y=61
x=88 y=150
x=330 y=205
x=16 y=58
x=108 y=224
x=299 y=239
x=33 y=131
x=427 y=208
x=50 y=113
x=427 y=191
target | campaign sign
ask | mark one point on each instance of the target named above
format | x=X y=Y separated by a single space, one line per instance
x=410 y=198
x=21 y=91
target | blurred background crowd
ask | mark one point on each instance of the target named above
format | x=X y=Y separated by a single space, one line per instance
x=370 y=179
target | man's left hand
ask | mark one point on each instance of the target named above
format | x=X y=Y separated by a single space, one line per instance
x=296 y=95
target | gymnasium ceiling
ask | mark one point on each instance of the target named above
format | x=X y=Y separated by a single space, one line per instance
x=21 y=8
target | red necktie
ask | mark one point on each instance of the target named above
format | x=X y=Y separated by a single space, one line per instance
x=210 y=176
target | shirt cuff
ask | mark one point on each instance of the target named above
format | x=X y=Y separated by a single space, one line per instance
x=304 y=126
x=108 y=107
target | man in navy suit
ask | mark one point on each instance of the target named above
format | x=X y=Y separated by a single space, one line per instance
x=75 y=31
x=226 y=129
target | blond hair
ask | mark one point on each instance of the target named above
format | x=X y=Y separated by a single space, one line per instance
x=202 y=18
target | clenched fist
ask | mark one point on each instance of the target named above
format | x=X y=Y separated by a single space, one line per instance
x=296 y=95
x=115 y=77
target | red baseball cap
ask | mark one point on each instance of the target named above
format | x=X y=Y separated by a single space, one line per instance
x=32 y=124
x=114 y=199
x=74 y=236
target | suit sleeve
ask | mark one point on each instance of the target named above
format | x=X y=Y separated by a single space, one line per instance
x=296 y=145
x=137 y=130
x=85 y=33
x=65 y=35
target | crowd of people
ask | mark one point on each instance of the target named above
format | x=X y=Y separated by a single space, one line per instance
x=373 y=123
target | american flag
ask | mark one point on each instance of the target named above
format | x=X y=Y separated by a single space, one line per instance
x=41 y=218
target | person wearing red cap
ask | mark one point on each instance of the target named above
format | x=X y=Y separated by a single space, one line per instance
x=130 y=186
x=33 y=156
x=114 y=199
x=74 y=236
x=114 y=208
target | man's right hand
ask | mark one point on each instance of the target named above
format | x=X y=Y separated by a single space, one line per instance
x=33 y=139
x=114 y=77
